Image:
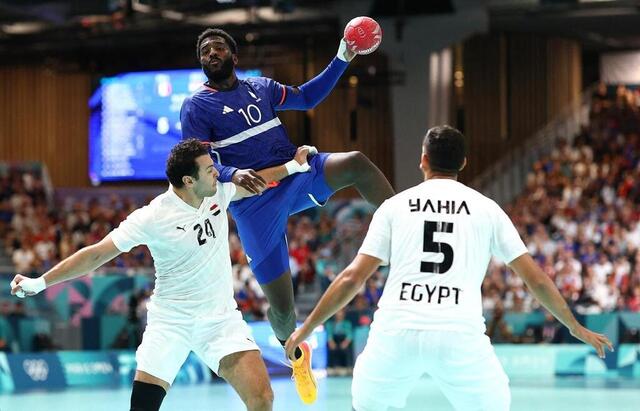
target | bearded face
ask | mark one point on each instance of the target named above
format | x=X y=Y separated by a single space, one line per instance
x=219 y=69
x=216 y=59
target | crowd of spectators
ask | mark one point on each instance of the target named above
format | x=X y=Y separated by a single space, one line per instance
x=37 y=236
x=580 y=215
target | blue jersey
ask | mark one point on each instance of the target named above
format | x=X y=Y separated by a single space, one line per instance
x=241 y=123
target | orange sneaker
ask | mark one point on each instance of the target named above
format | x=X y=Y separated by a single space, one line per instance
x=303 y=376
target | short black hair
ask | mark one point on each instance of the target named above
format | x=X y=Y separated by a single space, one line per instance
x=216 y=32
x=444 y=145
x=182 y=160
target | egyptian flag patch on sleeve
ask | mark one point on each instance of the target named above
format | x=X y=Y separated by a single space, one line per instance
x=215 y=209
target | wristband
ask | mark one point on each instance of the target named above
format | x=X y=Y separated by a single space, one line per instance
x=342 y=52
x=293 y=167
x=32 y=285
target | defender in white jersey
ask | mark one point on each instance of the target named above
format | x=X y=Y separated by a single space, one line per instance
x=438 y=238
x=192 y=306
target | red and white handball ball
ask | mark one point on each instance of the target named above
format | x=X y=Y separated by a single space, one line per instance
x=363 y=35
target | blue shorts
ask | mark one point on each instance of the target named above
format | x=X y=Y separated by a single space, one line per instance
x=262 y=220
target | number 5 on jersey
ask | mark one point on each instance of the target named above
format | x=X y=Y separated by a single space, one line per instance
x=430 y=246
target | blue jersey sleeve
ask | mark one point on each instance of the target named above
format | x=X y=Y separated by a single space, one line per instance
x=194 y=125
x=311 y=93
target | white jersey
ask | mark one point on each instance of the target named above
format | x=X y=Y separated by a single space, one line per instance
x=190 y=250
x=438 y=238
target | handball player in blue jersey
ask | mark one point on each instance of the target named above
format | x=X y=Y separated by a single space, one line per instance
x=239 y=119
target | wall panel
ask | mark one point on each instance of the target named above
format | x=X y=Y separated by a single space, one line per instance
x=44 y=117
x=540 y=78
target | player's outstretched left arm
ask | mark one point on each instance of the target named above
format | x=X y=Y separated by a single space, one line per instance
x=342 y=290
x=80 y=263
x=298 y=164
x=314 y=91
x=546 y=292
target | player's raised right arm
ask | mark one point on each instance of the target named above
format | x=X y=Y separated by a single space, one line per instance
x=80 y=263
x=546 y=292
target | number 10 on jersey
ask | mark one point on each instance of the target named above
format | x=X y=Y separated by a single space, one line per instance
x=252 y=114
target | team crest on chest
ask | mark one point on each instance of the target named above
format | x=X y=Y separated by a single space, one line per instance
x=254 y=96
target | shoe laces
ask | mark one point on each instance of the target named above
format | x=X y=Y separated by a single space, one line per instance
x=302 y=372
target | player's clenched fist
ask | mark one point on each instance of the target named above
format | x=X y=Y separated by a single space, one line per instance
x=22 y=286
x=303 y=152
x=299 y=163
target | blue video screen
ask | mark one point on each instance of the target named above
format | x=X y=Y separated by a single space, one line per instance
x=135 y=120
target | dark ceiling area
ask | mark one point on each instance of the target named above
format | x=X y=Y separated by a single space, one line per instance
x=599 y=24
x=92 y=29
x=142 y=33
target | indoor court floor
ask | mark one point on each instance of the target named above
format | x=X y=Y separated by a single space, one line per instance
x=566 y=394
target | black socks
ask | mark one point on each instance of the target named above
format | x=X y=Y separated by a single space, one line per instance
x=146 y=397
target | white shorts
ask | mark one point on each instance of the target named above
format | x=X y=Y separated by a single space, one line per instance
x=167 y=341
x=463 y=365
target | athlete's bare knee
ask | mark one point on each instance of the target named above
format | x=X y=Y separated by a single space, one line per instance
x=261 y=401
x=358 y=160
x=359 y=165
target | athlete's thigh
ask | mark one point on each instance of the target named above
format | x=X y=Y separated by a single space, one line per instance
x=214 y=340
x=386 y=371
x=469 y=373
x=273 y=269
x=262 y=228
x=246 y=372
x=164 y=348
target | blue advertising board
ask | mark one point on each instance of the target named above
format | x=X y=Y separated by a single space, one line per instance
x=88 y=368
x=36 y=371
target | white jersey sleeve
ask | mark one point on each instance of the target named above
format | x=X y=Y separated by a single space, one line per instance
x=377 y=243
x=506 y=243
x=134 y=230
x=227 y=191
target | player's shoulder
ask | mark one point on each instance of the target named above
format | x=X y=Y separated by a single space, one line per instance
x=202 y=94
x=160 y=207
x=199 y=103
x=258 y=82
x=152 y=209
x=480 y=201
